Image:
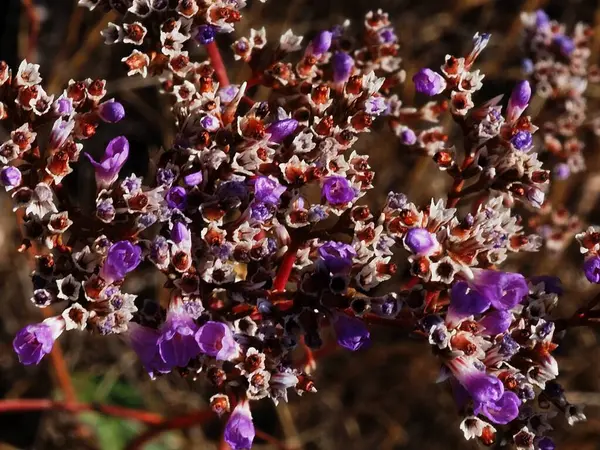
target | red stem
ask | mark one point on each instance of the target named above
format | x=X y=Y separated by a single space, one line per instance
x=285 y=269
x=177 y=423
x=217 y=63
x=7 y=406
x=459 y=183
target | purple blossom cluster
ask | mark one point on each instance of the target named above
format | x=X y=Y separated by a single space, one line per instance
x=557 y=64
x=253 y=217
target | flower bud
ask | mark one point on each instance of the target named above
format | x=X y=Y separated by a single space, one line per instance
x=193 y=179
x=239 y=431
x=205 y=34
x=342 y=66
x=281 y=129
x=351 y=332
x=33 y=342
x=321 y=43
x=429 y=82
x=519 y=100
x=591 y=268
x=111 y=111
x=420 y=241
x=115 y=156
x=10 y=177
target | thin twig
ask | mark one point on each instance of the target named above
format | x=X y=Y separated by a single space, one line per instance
x=14 y=405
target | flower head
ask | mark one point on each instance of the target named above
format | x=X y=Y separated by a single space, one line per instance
x=33 y=342
x=215 y=339
x=282 y=129
x=351 y=332
x=519 y=100
x=206 y=34
x=522 y=140
x=239 y=431
x=429 y=82
x=337 y=256
x=177 y=344
x=144 y=342
x=420 y=241
x=111 y=111
x=591 y=268
x=337 y=190
x=10 y=177
x=504 y=290
x=267 y=190
x=121 y=258
x=115 y=156
x=342 y=66
x=321 y=43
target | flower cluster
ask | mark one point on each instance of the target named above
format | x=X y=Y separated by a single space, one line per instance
x=557 y=63
x=159 y=30
x=252 y=215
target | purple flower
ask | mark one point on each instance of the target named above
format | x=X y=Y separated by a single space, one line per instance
x=420 y=241
x=501 y=411
x=496 y=322
x=546 y=443
x=10 y=177
x=565 y=44
x=562 y=171
x=267 y=190
x=107 y=170
x=177 y=344
x=122 y=257
x=337 y=190
x=63 y=106
x=591 y=268
x=281 y=129
x=387 y=36
x=519 y=100
x=35 y=341
x=342 y=66
x=210 y=123
x=321 y=43
x=486 y=391
x=239 y=431
x=337 y=256
x=536 y=197
x=522 y=140
x=205 y=34
x=541 y=18
x=144 y=342
x=351 y=332
x=408 y=136
x=375 y=105
x=215 y=339
x=504 y=290
x=180 y=233
x=165 y=177
x=429 y=82
x=193 y=179
x=260 y=212
x=111 y=111
x=61 y=130
x=465 y=301
x=176 y=197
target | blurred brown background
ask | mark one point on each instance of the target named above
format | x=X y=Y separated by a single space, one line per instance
x=381 y=398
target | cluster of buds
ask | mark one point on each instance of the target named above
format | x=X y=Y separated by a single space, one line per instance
x=559 y=69
x=159 y=30
x=252 y=217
